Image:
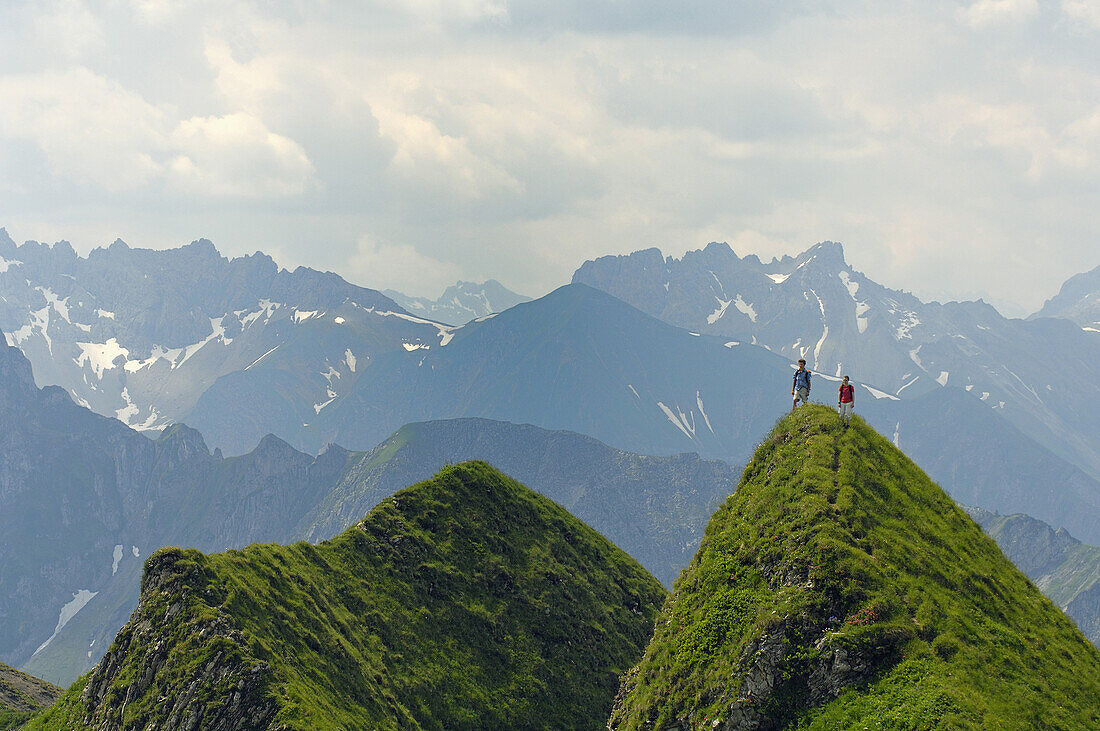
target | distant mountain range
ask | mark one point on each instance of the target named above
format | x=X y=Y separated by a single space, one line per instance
x=83 y=499
x=1040 y=374
x=140 y=335
x=344 y=371
x=461 y=302
x=1078 y=300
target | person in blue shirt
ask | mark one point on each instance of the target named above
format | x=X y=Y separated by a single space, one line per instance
x=800 y=387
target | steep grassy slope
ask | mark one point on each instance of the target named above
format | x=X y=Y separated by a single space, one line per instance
x=840 y=588
x=21 y=695
x=467 y=601
x=1066 y=570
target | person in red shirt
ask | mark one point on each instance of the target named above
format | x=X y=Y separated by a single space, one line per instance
x=846 y=401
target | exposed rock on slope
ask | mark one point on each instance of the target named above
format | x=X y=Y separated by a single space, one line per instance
x=467 y=601
x=840 y=587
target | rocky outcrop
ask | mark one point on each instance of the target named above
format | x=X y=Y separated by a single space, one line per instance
x=225 y=686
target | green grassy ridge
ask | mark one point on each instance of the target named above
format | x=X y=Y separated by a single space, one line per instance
x=466 y=601
x=21 y=696
x=834 y=541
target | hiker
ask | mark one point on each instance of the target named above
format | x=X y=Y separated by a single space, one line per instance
x=800 y=388
x=846 y=401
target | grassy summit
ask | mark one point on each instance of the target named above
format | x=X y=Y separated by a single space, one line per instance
x=21 y=695
x=467 y=601
x=840 y=588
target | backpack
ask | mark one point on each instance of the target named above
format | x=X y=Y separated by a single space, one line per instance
x=850 y=393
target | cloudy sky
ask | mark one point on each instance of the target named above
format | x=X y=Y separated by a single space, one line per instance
x=953 y=147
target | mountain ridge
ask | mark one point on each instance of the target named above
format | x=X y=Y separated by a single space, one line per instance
x=839 y=587
x=461 y=602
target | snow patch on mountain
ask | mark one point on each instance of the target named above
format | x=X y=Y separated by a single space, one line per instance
x=907 y=320
x=942 y=378
x=911 y=381
x=679 y=420
x=880 y=394
x=721 y=310
x=60 y=306
x=745 y=307
x=6 y=264
x=101 y=356
x=105 y=314
x=778 y=278
x=260 y=358
x=267 y=309
x=331 y=397
x=129 y=411
x=80 y=600
x=116 y=557
x=861 y=306
x=699 y=402
x=349 y=358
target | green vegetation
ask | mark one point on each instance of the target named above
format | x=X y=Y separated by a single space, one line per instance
x=840 y=588
x=467 y=601
x=21 y=696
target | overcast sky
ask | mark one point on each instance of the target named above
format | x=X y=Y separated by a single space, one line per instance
x=952 y=147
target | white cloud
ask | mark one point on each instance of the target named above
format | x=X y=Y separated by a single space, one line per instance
x=518 y=138
x=997 y=12
x=70 y=30
x=1085 y=11
x=89 y=127
x=400 y=267
x=97 y=133
x=236 y=155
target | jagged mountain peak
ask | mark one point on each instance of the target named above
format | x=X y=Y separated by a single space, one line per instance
x=461 y=302
x=839 y=586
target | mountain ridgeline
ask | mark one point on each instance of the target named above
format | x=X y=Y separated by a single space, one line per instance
x=467 y=601
x=83 y=498
x=696 y=359
x=840 y=588
x=1039 y=374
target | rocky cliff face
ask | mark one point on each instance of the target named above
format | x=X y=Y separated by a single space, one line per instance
x=140 y=335
x=226 y=688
